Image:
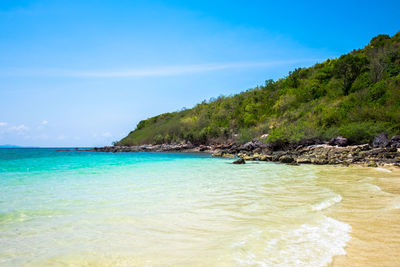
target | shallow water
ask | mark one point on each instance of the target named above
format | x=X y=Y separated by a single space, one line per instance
x=175 y=209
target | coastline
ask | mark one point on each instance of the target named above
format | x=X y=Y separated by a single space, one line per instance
x=318 y=154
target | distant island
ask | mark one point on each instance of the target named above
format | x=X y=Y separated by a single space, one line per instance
x=9 y=146
x=356 y=96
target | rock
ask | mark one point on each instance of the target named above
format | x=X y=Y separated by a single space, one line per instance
x=364 y=147
x=286 y=159
x=338 y=141
x=248 y=157
x=319 y=161
x=248 y=146
x=257 y=150
x=277 y=155
x=277 y=145
x=252 y=145
x=256 y=156
x=202 y=148
x=380 y=140
x=239 y=161
x=265 y=157
x=372 y=164
x=217 y=154
x=303 y=160
x=264 y=136
x=228 y=156
x=395 y=141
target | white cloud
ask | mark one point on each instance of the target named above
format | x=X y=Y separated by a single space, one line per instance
x=44 y=122
x=154 y=71
x=61 y=137
x=19 y=129
x=2 y=124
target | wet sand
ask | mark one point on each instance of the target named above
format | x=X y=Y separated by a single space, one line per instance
x=374 y=215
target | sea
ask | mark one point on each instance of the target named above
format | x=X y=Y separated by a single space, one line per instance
x=62 y=207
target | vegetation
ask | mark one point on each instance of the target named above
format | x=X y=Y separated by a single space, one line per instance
x=356 y=96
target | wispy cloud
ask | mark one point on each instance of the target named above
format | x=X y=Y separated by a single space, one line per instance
x=44 y=122
x=152 y=72
x=19 y=129
x=2 y=124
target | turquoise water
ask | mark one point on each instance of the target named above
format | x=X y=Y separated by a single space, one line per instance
x=164 y=209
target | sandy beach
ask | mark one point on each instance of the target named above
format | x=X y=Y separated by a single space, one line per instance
x=374 y=215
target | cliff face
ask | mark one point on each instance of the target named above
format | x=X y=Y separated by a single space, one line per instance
x=355 y=96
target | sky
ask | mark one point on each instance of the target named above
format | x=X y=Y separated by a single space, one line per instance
x=84 y=73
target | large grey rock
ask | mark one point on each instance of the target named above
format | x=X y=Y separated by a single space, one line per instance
x=380 y=140
x=248 y=146
x=395 y=141
x=338 y=141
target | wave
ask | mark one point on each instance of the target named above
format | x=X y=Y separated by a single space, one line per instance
x=308 y=245
x=327 y=203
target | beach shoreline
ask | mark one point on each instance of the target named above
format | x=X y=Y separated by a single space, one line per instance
x=373 y=214
x=319 y=154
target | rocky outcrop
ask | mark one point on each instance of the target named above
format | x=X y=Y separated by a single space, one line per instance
x=146 y=148
x=332 y=155
x=381 y=140
x=309 y=151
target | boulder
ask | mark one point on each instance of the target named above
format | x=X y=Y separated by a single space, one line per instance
x=380 y=140
x=338 y=141
x=202 y=148
x=217 y=154
x=395 y=141
x=249 y=146
x=228 y=156
x=239 y=161
x=286 y=159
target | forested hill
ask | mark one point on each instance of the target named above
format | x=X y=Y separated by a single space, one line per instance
x=356 y=96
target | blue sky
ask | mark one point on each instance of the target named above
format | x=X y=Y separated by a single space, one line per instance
x=84 y=73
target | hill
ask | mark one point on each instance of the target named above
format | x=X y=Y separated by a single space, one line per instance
x=356 y=96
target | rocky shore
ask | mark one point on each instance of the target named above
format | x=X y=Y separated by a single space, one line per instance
x=382 y=151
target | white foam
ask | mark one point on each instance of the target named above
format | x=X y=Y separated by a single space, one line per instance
x=377 y=187
x=383 y=169
x=327 y=203
x=308 y=245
